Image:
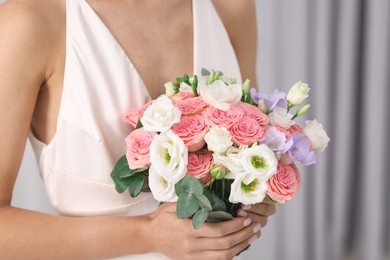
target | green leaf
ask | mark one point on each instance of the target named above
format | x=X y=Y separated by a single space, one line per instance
x=219 y=216
x=179 y=188
x=199 y=218
x=204 y=201
x=216 y=203
x=139 y=124
x=136 y=183
x=204 y=72
x=187 y=205
x=192 y=185
x=122 y=184
x=122 y=170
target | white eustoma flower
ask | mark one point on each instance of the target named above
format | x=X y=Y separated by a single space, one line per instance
x=297 y=93
x=232 y=161
x=169 y=156
x=280 y=117
x=218 y=139
x=220 y=95
x=260 y=161
x=162 y=189
x=161 y=115
x=316 y=134
x=248 y=189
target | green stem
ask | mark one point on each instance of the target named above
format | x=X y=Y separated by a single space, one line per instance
x=223 y=188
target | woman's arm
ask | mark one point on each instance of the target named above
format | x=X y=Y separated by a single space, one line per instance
x=27 y=48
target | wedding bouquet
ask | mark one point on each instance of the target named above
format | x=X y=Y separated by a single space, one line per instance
x=210 y=145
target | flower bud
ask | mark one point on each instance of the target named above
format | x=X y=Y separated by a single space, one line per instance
x=246 y=86
x=169 y=88
x=263 y=106
x=218 y=172
x=302 y=110
x=297 y=93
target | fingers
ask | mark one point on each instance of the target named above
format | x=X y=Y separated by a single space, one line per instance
x=256 y=218
x=229 y=241
x=223 y=228
x=263 y=209
x=231 y=252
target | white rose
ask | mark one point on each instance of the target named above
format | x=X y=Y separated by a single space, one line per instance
x=260 y=161
x=232 y=161
x=248 y=189
x=298 y=93
x=218 y=139
x=280 y=117
x=169 y=156
x=317 y=135
x=220 y=95
x=161 y=115
x=161 y=189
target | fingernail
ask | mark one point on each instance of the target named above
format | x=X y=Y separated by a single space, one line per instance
x=242 y=213
x=247 y=222
x=257 y=228
x=252 y=239
x=246 y=207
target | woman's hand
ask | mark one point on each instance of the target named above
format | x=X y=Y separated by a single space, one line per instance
x=177 y=239
x=258 y=213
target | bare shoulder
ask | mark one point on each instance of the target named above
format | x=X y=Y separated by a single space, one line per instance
x=239 y=18
x=31 y=28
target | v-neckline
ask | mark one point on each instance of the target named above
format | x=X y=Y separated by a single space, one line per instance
x=119 y=46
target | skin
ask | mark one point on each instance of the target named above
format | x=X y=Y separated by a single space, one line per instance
x=32 y=57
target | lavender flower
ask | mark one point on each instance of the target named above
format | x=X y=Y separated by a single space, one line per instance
x=277 y=98
x=300 y=150
x=276 y=140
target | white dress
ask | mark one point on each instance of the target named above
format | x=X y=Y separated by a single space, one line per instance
x=100 y=86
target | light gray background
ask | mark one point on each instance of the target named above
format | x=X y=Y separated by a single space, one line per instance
x=341 y=49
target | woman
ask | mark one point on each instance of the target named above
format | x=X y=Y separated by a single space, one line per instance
x=68 y=71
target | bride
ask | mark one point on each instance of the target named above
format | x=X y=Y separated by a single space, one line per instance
x=69 y=69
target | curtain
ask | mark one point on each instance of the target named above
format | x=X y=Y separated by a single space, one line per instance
x=341 y=48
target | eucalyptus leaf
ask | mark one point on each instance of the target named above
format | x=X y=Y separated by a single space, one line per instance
x=187 y=205
x=219 y=216
x=216 y=203
x=199 y=218
x=192 y=185
x=136 y=183
x=179 y=188
x=204 y=201
x=122 y=170
x=139 y=124
x=122 y=184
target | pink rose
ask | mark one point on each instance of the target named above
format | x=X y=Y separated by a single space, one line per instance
x=289 y=132
x=283 y=186
x=192 y=130
x=181 y=96
x=254 y=112
x=247 y=131
x=199 y=166
x=135 y=114
x=221 y=118
x=137 y=148
x=191 y=106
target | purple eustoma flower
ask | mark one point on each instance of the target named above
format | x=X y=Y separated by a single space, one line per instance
x=276 y=140
x=300 y=150
x=278 y=98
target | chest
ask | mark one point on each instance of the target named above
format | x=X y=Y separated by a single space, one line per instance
x=157 y=37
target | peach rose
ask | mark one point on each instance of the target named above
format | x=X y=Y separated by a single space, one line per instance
x=192 y=130
x=137 y=148
x=254 y=112
x=135 y=114
x=191 y=106
x=221 y=118
x=181 y=96
x=248 y=131
x=283 y=186
x=199 y=166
